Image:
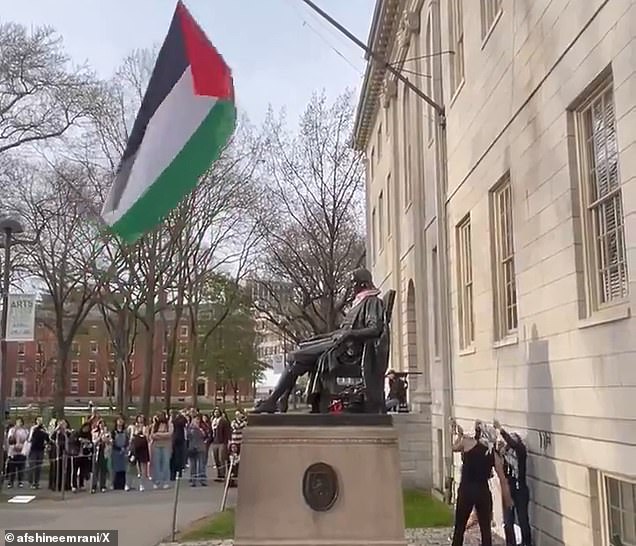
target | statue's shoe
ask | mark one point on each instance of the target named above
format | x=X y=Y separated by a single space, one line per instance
x=265 y=406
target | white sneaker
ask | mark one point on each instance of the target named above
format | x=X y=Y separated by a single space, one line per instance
x=141 y=488
x=166 y=486
x=155 y=486
x=127 y=488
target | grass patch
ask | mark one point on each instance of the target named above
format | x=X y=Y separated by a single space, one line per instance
x=423 y=510
x=420 y=510
x=218 y=526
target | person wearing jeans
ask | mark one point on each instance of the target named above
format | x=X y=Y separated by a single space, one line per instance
x=160 y=451
x=196 y=452
x=515 y=455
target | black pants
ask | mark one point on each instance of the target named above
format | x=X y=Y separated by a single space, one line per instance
x=177 y=460
x=81 y=470
x=36 y=459
x=119 y=480
x=15 y=469
x=477 y=496
x=521 y=499
x=100 y=470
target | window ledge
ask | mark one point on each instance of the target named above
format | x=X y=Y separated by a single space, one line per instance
x=467 y=351
x=457 y=92
x=491 y=29
x=506 y=341
x=606 y=315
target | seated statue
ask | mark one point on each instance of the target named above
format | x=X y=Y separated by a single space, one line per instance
x=358 y=342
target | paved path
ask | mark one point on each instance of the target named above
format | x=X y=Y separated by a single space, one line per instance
x=142 y=519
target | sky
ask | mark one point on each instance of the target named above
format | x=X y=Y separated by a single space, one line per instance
x=279 y=50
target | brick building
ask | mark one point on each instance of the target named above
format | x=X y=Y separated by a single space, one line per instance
x=91 y=370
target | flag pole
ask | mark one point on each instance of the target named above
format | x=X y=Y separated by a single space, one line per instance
x=376 y=58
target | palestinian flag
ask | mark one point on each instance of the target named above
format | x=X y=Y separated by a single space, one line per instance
x=186 y=117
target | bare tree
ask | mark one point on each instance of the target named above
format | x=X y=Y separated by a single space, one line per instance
x=313 y=233
x=41 y=96
x=66 y=259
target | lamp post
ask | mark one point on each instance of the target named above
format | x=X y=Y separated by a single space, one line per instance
x=9 y=227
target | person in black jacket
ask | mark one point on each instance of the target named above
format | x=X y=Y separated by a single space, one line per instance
x=515 y=456
x=39 y=439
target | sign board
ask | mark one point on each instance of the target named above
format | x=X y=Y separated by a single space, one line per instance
x=21 y=318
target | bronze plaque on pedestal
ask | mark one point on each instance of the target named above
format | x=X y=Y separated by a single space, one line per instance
x=320 y=487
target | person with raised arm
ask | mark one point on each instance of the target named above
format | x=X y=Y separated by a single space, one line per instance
x=515 y=456
x=479 y=457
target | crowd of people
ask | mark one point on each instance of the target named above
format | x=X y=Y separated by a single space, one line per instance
x=99 y=455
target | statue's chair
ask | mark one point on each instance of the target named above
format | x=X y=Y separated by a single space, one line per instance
x=363 y=389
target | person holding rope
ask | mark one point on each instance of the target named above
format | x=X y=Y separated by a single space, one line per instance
x=479 y=458
x=515 y=455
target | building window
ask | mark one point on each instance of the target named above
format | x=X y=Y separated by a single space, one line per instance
x=110 y=348
x=490 y=10
x=18 y=388
x=183 y=331
x=183 y=386
x=92 y=386
x=380 y=141
x=372 y=162
x=164 y=366
x=166 y=341
x=621 y=511
x=381 y=221
x=407 y=146
x=183 y=349
x=20 y=349
x=19 y=367
x=505 y=288
x=388 y=205
x=428 y=60
x=435 y=297
x=374 y=228
x=74 y=385
x=75 y=366
x=465 y=285
x=456 y=39
x=94 y=347
x=601 y=198
x=92 y=367
x=183 y=367
x=40 y=349
x=132 y=367
x=163 y=385
x=75 y=348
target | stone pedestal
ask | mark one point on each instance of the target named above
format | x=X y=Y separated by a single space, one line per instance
x=319 y=480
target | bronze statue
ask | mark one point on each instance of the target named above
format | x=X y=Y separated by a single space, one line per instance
x=360 y=345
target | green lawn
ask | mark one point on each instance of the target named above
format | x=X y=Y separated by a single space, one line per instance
x=420 y=510
x=423 y=510
x=218 y=526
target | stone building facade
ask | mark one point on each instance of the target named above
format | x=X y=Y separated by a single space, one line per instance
x=508 y=227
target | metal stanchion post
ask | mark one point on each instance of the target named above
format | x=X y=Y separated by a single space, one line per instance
x=176 y=504
x=228 y=479
x=64 y=467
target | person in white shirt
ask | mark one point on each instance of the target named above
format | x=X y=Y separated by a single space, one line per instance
x=16 y=440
